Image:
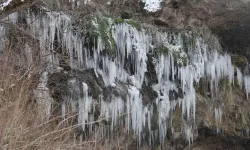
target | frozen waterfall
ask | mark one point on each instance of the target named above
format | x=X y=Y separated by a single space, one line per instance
x=185 y=60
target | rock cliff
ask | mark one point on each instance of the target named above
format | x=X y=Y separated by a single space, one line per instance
x=177 y=77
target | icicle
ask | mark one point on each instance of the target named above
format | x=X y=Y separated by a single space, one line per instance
x=247 y=85
x=2 y=38
x=218 y=117
x=73 y=105
x=163 y=110
x=43 y=97
x=239 y=77
x=63 y=109
x=188 y=134
x=247 y=131
x=28 y=54
x=84 y=106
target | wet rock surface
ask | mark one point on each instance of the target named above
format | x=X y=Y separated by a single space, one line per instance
x=228 y=19
x=64 y=83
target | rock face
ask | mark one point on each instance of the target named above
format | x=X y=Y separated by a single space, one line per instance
x=171 y=84
x=228 y=19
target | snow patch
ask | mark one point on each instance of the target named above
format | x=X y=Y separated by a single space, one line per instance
x=152 y=5
x=5 y=4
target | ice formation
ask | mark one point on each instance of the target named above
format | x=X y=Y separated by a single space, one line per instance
x=84 y=106
x=187 y=59
x=43 y=97
x=189 y=134
x=239 y=77
x=247 y=85
x=2 y=37
x=218 y=117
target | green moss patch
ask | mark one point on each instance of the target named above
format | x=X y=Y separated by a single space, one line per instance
x=131 y=22
x=102 y=27
x=163 y=50
x=118 y=20
x=134 y=24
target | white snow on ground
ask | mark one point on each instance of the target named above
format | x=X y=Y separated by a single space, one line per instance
x=4 y=4
x=152 y=5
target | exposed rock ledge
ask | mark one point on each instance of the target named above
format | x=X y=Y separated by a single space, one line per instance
x=229 y=19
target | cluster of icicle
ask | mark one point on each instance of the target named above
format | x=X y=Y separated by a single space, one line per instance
x=136 y=44
x=218 y=117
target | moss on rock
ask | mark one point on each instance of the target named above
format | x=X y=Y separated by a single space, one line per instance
x=118 y=20
x=103 y=29
x=131 y=22
x=163 y=50
x=102 y=26
x=239 y=61
x=134 y=24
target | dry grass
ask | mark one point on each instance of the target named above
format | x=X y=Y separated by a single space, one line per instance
x=20 y=124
